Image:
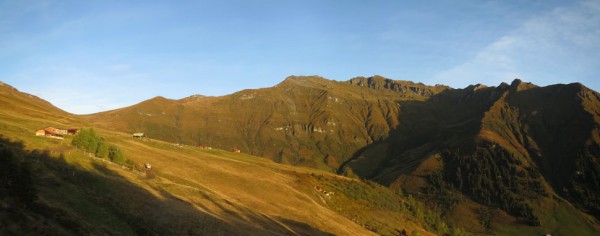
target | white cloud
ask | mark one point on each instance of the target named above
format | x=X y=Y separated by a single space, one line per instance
x=563 y=44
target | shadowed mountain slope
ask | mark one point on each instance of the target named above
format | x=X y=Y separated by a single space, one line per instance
x=512 y=147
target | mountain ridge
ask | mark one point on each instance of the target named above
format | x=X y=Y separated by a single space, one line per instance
x=517 y=148
x=510 y=128
x=313 y=95
x=189 y=191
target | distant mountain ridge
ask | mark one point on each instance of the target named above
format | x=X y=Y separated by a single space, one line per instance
x=306 y=121
x=49 y=186
x=381 y=83
x=408 y=136
x=504 y=156
x=503 y=146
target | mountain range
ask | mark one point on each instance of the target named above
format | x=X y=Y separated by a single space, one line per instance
x=305 y=121
x=509 y=158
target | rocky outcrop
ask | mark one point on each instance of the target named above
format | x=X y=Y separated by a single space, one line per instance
x=381 y=83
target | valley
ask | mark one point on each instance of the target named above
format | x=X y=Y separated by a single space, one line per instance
x=191 y=190
x=320 y=157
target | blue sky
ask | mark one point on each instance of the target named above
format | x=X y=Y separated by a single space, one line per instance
x=91 y=56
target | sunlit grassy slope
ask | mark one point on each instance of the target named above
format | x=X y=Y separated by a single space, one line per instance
x=190 y=191
x=305 y=120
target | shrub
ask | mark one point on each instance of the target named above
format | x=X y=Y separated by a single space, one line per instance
x=116 y=155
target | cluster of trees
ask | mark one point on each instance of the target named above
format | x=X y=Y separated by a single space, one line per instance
x=490 y=176
x=441 y=192
x=92 y=142
x=373 y=196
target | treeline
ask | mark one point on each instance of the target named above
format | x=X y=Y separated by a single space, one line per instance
x=491 y=176
x=90 y=141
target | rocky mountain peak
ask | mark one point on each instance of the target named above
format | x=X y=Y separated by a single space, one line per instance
x=382 y=83
x=516 y=82
x=519 y=85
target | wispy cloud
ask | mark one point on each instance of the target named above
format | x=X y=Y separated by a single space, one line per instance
x=548 y=48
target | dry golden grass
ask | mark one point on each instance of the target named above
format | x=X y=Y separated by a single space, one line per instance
x=221 y=191
x=239 y=189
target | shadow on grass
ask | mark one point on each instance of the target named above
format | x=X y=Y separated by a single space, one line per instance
x=72 y=200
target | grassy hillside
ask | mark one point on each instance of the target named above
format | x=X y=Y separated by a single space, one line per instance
x=303 y=121
x=189 y=191
x=511 y=159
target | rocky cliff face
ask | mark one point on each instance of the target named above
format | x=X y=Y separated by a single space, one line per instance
x=381 y=83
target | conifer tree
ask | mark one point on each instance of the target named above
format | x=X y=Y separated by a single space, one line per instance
x=116 y=155
x=102 y=150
